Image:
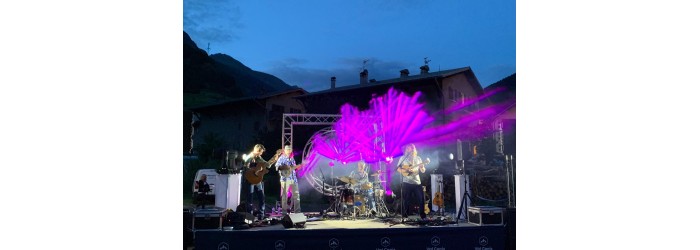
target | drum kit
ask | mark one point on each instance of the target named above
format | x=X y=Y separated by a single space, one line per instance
x=354 y=196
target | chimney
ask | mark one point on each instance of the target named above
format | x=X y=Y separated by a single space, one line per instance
x=332 y=82
x=404 y=72
x=424 y=69
x=364 y=78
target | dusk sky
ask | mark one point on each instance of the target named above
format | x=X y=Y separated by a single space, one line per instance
x=304 y=43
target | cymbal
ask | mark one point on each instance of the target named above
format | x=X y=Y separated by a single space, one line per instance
x=347 y=179
x=378 y=181
x=377 y=174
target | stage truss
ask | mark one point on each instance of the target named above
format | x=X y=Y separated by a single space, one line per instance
x=290 y=120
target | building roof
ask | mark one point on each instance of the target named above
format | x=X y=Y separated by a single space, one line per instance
x=250 y=98
x=441 y=74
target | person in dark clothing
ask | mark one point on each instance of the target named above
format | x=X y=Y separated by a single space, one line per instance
x=202 y=189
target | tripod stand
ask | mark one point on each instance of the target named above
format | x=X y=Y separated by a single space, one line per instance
x=464 y=196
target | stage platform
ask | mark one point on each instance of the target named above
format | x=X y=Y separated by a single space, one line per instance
x=337 y=233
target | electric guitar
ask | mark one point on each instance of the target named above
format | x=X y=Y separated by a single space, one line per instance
x=408 y=170
x=254 y=175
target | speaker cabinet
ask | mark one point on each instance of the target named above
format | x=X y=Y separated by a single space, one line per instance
x=238 y=218
x=294 y=220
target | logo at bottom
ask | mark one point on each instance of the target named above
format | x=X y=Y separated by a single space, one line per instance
x=333 y=243
x=435 y=241
x=385 y=241
x=222 y=246
x=483 y=241
x=279 y=245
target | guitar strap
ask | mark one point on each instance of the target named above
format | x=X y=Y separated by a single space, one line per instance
x=402 y=160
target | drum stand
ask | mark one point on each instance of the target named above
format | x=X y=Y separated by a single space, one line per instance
x=379 y=202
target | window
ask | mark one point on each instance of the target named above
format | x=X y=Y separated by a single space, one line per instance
x=456 y=96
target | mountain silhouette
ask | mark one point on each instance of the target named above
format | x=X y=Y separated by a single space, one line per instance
x=208 y=79
x=252 y=82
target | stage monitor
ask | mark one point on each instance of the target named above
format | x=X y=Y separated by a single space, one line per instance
x=294 y=220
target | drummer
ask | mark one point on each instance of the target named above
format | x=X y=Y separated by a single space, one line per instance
x=363 y=186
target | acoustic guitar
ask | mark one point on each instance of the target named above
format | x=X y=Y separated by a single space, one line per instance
x=284 y=169
x=437 y=201
x=409 y=170
x=254 y=175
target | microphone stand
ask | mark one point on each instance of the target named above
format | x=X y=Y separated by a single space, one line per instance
x=441 y=210
x=323 y=186
x=402 y=198
x=402 y=201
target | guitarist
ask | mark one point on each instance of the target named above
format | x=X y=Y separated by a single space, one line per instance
x=257 y=190
x=288 y=178
x=410 y=165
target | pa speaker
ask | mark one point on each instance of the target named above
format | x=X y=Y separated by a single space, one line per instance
x=239 y=218
x=294 y=220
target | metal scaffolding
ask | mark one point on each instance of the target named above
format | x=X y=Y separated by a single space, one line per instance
x=289 y=120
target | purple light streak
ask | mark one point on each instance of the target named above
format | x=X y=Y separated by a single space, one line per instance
x=396 y=119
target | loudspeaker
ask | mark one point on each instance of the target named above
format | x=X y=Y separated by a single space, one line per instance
x=294 y=220
x=239 y=218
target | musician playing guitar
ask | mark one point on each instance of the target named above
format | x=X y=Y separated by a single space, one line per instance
x=410 y=165
x=256 y=167
x=288 y=179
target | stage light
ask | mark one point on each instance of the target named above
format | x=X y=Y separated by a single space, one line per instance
x=452 y=157
x=389 y=159
x=331 y=164
x=245 y=157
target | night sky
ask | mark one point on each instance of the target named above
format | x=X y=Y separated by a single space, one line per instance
x=304 y=43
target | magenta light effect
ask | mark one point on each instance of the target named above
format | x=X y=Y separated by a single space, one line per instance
x=309 y=163
x=473 y=101
x=396 y=119
x=393 y=118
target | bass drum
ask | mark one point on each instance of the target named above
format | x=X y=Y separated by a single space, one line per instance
x=348 y=196
x=360 y=203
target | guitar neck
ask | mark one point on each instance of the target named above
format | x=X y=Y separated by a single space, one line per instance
x=286 y=167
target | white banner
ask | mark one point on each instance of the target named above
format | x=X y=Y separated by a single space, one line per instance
x=227 y=194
